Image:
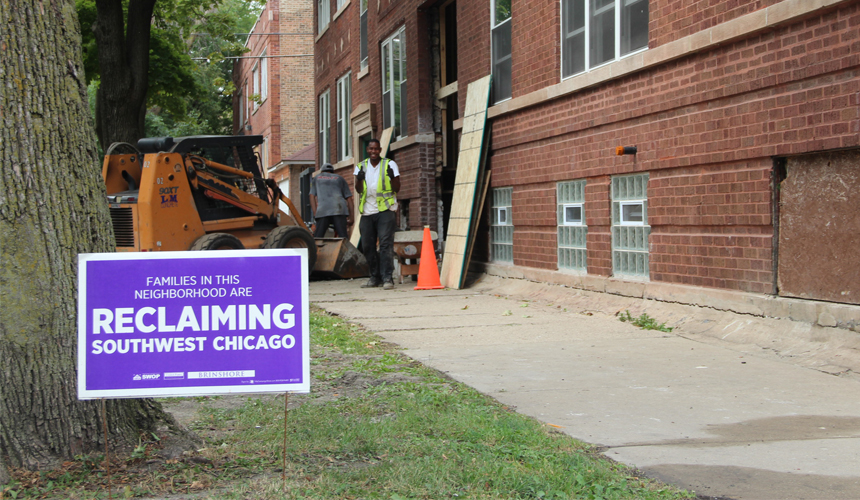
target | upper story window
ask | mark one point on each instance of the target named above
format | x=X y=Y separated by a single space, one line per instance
x=255 y=78
x=340 y=3
x=240 y=97
x=264 y=76
x=344 y=107
x=363 y=33
x=325 y=113
x=394 y=83
x=323 y=15
x=595 y=32
x=501 y=50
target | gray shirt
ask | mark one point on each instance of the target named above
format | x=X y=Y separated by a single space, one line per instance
x=331 y=192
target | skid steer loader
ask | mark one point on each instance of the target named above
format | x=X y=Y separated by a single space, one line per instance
x=209 y=193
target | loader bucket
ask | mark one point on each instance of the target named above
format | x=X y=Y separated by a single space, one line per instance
x=338 y=258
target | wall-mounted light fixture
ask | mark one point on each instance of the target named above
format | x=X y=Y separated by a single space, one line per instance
x=625 y=150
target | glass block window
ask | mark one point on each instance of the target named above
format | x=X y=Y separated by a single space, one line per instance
x=501 y=227
x=572 y=230
x=630 y=229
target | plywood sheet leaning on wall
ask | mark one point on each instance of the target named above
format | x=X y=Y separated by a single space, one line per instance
x=384 y=142
x=466 y=184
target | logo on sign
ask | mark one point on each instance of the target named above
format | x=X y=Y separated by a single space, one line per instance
x=147 y=376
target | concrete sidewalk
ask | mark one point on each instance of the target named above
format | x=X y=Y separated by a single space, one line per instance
x=725 y=405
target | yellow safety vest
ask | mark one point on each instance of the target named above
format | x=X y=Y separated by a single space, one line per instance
x=384 y=194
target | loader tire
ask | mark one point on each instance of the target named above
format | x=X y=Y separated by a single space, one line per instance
x=293 y=237
x=217 y=241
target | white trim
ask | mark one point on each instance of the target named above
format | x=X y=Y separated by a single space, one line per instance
x=630 y=203
x=567 y=222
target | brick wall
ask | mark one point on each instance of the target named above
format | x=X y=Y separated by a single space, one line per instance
x=598 y=218
x=296 y=84
x=535 y=40
x=712 y=226
x=285 y=118
x=706 y=127
x=674 y=19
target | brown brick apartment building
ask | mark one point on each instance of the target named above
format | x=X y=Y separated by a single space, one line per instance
x=274 y=89
x=745 y=116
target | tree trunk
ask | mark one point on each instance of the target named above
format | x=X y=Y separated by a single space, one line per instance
x=123 y=53
x=52 y=207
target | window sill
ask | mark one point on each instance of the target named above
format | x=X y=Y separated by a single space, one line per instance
x=323 y=32
x=364 y=72
x=425 y=138
x=349 y=162
x=340 y=10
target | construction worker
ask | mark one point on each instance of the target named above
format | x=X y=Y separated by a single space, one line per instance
x=330 y=202
x=377 y=181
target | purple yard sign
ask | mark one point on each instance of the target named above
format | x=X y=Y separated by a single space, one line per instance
x=192 y=323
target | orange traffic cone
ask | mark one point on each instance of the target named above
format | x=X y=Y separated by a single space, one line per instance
x=428 y=270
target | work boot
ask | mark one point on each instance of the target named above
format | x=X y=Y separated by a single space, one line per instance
x=372 y=283
x=389 y=285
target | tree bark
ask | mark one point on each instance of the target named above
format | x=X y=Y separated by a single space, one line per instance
x=52 y=207
x=123 y=54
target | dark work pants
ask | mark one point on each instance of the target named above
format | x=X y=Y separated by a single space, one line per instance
x=338 y=221
x=378 y=226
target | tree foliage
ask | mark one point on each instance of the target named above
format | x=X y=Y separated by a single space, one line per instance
x=188 y=76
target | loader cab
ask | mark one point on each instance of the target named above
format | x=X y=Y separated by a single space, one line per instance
x=232 y=151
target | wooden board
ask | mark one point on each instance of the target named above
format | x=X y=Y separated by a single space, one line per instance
x=479 y=209
x=466 y=184
x=384 y=142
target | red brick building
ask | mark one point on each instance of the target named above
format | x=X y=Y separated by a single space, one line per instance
x=274 y=88
x=745 y=115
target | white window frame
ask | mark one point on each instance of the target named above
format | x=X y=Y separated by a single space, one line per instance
x=494 y=25
x=340 y=4
x=502 y=218
x=618 y=6
x=344 y=108
x=363 y=36
x=240 y=97
x=264 y=76
x=323 y=15
x=581 y=208
x=631 y=203
x=392 y=118
x=325 y=128
x=264 y=154
x=255 y=79
x=248 y=103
